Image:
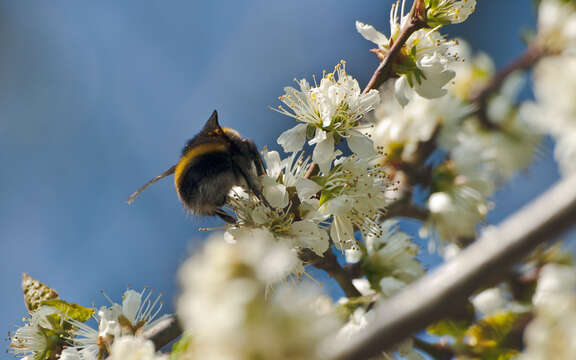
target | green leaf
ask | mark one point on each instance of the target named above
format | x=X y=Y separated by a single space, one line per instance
x=449 y=327
x=35 y=292
x=180 y=347
x=491 y=331
x=74 y=311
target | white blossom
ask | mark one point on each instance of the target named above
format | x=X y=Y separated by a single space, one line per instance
x=557 y=26
x=134 y=348
x=425 y=58
x=551 y=334
x=455 y=213
x=473 y=71
x=229 y=313
x=399 y=130
x=354 y=193
x=138 y=309
x=281 y=224
x=449 y=11
x=36 y=336
x=73 y=353
x=330 y=111
x=489 y=301
x=391 y=258
x=554 y=111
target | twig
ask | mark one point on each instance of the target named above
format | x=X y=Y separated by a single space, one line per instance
x=416 y=21
x=435 y=296
x=405 y=208
x=164 y=331
x=329 y=263
x=528 y=59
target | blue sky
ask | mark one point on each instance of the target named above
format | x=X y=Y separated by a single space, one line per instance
x=97 y=97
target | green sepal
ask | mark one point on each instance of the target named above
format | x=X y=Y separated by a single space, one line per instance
x=449 y=327
x=323 y=198
x=491 y=333
x=73 y=311
x=345 y=310
x=180 y=347
x=310 y=131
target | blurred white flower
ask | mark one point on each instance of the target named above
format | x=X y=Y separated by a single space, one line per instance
x=329 y=112
x=399 y=131
x=489 y=301
x=226 y=308
x=357 y=322
x=391 y=261
x=87 y=353
x=551 y=334
x=554 y=280
x=472 y=71
x=554 y=111
x=134 y=348
x=557 y=26
x=456 y=212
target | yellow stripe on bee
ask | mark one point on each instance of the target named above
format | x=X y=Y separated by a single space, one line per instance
x=194 y=153
x=230 y=131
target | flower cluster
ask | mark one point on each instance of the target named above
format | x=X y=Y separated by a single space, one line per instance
x=230 y=295
x=137 y=313
x=551 y=333
x=554 y=111
x=58 y=329
x=424 y=60
x=329 y=112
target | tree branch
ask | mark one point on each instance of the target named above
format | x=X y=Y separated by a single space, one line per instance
x=415 y=22
x=329 y=263
x=164 y=331
x=528 y=59
x=435 y=296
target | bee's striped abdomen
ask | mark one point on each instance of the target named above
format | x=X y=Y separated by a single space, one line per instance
x=203 y=177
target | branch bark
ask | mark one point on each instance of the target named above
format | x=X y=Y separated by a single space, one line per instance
x=329 y=263
x=435 y=296
x=164 y=331
x=528 y=59
x=415 y=22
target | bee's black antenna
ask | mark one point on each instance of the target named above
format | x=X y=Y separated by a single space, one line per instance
x=143 y=187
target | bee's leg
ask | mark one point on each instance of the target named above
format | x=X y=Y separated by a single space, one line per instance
x=255 y=157
x=229 y=219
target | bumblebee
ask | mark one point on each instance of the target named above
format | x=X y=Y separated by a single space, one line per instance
x=212 y=162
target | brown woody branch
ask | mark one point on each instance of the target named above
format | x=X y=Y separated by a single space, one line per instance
x=329 y=263
x=164 y=331
x=483 y=263
x=416 y=21
x=528 y=59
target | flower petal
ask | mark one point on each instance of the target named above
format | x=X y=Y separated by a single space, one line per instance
x=324 y=153
x=360 y=144
x=371 y=34
x=293 y=139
